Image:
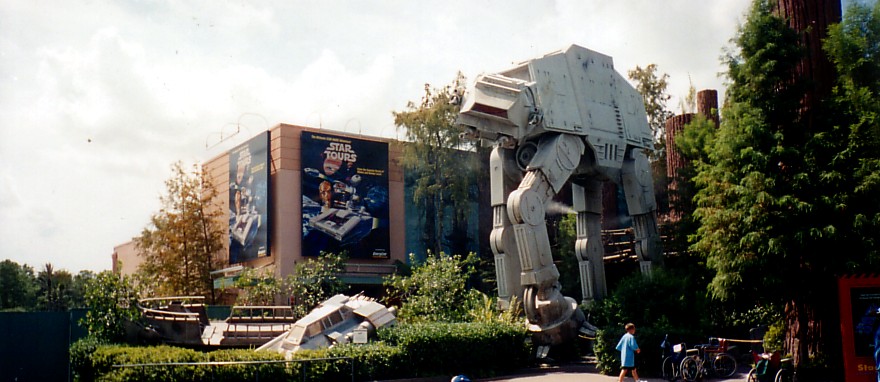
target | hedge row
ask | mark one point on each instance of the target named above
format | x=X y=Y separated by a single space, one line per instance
x=418 y=350
x=475 y=349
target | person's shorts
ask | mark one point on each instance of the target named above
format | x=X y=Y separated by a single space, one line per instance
x=628 y=368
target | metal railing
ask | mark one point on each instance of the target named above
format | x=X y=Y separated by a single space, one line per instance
x=304 y=373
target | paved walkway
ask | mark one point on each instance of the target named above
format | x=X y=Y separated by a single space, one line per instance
x=581 y=372
x=574 y=372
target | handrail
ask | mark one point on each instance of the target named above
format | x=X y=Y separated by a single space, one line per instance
x=229 y=363
x=260 y=307
x=167 y=313
x=151 y=299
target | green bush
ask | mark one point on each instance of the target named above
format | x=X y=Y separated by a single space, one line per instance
x=435 y=291
x=664 y=304
x=99 y=365
x=413 y=350
x=81 y=358
x=105 y=357
x=273 y=371
x=476 y=349
x=373 y=361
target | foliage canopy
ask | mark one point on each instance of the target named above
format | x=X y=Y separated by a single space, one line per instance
x=180 y=245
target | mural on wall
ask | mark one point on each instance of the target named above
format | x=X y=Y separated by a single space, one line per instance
x=344 y=196
x=249 y=200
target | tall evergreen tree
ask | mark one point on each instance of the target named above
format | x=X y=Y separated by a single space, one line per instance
x=778 y=221
x=851 y=145
x=181 y=244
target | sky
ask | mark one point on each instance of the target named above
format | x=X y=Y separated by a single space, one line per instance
x=99 y=98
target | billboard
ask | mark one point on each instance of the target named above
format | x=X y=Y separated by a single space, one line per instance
x=860 y=325
x=344 y=196
x=249 y=200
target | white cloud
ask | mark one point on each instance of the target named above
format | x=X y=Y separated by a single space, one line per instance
x=98 y=99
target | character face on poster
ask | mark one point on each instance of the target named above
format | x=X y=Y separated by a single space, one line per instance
x=345 y=196
x=248 y=200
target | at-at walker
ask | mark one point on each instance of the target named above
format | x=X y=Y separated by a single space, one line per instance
x=565 y=116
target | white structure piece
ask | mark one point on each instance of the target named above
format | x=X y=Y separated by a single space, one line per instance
x=339 y=320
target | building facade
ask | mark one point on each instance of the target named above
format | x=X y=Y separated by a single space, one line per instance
x=293 y=192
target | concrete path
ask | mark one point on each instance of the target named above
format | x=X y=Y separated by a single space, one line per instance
x=581 y=372
x=585 y=373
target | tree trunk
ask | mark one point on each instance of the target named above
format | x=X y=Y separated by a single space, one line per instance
x=707 y=104
x=811 y=18
x=674 y=163
x=808 y=325
x=808 y=333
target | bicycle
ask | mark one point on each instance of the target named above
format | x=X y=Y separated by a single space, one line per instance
x=673 y=354
x=773 y=366
x=708 y=360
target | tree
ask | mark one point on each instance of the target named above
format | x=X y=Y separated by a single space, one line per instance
x=653 y=90
x=76 y=298
x=55 y=289
x=435 y=291
x=311 y=283
x=773 y=195
x=653 y=87
x=112 y=301
x=257 y=288
x=314 y=281
x=180 y=245
x=440 y=163
x=17 y=286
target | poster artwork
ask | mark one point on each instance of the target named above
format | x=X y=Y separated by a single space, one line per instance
x=859 y=299
x=345 y=196
x=866 y=320
x=248 y=200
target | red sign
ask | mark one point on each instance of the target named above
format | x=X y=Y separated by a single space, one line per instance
x=860 y=325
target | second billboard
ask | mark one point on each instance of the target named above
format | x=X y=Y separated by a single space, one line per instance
x=344 y=196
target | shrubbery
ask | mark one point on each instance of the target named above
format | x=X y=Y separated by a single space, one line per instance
x=666 y=303
x=475 y=349
x=408 y=350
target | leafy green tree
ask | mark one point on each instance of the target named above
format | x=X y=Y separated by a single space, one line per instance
x=314 y=281
x=773 y=201
x=653 y=88
x=17 y=286
x=747 y=199
x=112 y=301
x=256 y=288
x=694 y=144
x=440 y=163
x=77 y=291
x=435 y=291
x=852 y=144
x=181 y=244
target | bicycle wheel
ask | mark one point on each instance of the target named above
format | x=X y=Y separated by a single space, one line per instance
x=689 y=369
x=753 y=375
x=784 y=375
x=724 y=365
x=669 y=369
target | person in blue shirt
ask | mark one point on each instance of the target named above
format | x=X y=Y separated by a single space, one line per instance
x=628 y=349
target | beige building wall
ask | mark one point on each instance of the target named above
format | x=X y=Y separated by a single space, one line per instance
x=125 y=258
x=286 y=203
